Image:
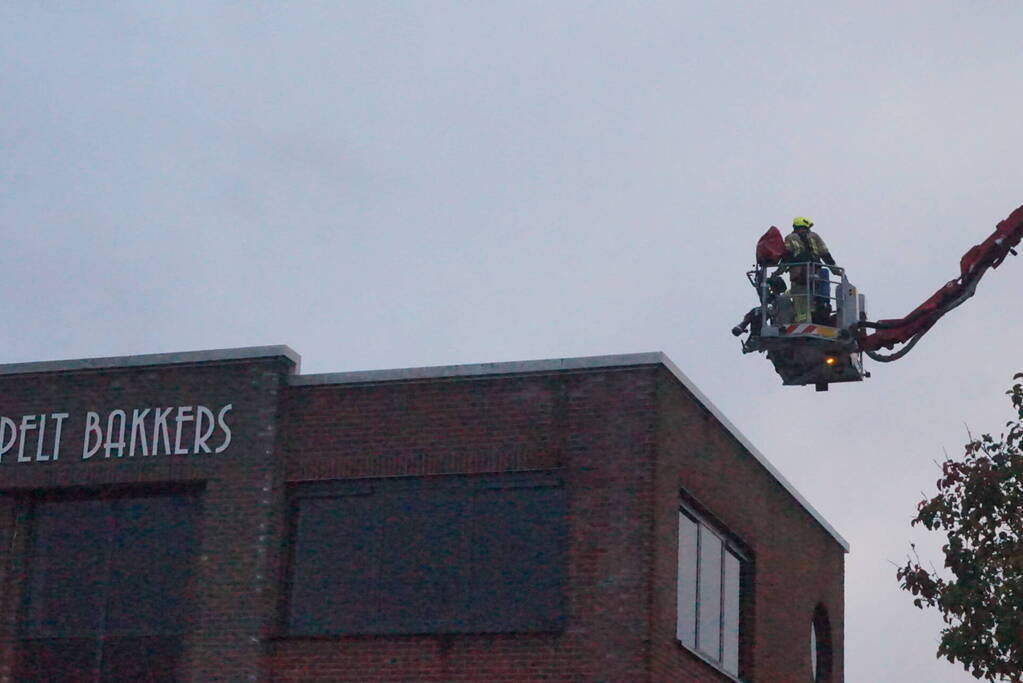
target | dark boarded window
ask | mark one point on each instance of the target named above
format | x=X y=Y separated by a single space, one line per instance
x=105 y=596
x=428 y=555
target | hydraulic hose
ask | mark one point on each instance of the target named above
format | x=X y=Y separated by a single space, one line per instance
x=973 y=266
x=966 y=293
x=874 y=355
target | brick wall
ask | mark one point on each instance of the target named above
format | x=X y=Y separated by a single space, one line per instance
x=797 y=563
x=624 y=439
x=233 y=580
x=596 y=428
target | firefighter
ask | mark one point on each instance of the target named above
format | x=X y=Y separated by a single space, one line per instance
x=803 y=249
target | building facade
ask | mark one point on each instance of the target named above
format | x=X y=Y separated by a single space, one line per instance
x=218 y=516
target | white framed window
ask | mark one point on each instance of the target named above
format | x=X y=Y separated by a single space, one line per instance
x=709 y=592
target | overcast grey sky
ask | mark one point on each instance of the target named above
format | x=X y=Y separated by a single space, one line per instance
x=395 y=184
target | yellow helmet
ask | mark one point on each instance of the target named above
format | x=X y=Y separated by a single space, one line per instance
x=802 y=222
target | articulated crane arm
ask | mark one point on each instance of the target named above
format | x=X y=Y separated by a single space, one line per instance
x=988 y=254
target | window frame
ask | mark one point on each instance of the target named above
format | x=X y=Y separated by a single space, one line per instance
x=730 y=546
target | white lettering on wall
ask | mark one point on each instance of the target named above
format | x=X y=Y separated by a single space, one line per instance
x=28 y=423
x=174 y=431
x=138 y=431
x=160 y=429
x=7 y=426
x=58 y=419
x=201 y=413
x=116 y=420
x=223 y=426
x=19 y=433
x=39 y=441
x=92 y=429
x=184 y=415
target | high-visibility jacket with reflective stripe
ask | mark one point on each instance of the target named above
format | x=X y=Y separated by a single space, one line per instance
x=797 y=250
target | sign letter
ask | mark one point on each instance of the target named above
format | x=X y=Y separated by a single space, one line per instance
x=28 y=423
x=184 y=415
x=117 y=445
x=92 y=429
x=59 y=419
x=39 y=442
x=8 y=425
x=203 y=414
x=160 y=429
x=223 y=425
x=138 y=431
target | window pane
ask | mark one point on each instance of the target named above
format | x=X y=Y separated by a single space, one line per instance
x=709 y=609
x=104 y=566
x=688 y=561
x=150 y=563
x=813 y=650
x=730 y=617
x=335 y=568
x=140 y=660
x=517 y=559
x=68 y=565
x=820 y=644
x=422 y=558
x=58 y=660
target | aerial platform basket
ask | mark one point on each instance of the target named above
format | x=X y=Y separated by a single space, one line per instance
x=808 y=335
x=814 y=329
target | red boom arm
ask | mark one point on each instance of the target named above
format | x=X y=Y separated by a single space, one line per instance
x=988 y=254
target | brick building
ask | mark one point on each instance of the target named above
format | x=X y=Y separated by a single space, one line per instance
x=217 y=516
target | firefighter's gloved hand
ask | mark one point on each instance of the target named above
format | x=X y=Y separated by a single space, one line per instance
x=837 y=270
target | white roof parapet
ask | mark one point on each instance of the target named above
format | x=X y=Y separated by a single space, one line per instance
x=144 y=360
x=478 y=369
x=561 y=364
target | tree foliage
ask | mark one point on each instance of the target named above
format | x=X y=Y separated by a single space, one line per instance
x=979 y=506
